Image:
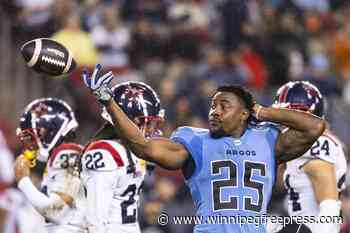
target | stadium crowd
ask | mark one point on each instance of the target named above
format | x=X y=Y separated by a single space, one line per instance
x=185 y=49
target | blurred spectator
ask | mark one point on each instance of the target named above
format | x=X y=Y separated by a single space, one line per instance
x=233 y=14
x=190 y=11
x=190 y=25
x=215 y=68
x=146 y=43
x=153 y=10
x=111 y=39
x=151 y=209
x=34 y=18
x=77 y=41
x=316 y=5
x=60 y=10
x=341 y=49
x=254 y=66
x=319 y=68
x=92 y=14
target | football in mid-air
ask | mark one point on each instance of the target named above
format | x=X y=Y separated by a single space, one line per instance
x=48 y=56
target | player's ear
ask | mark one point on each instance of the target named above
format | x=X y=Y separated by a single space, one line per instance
x=245 y=115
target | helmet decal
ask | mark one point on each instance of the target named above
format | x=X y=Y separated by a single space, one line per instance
x=45 y=122
x=139 y=102
x=301 y=95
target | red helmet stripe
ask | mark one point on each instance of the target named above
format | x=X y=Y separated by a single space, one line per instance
x=283 y=96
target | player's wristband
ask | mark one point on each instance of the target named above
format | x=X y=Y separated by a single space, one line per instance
x=330 y=208
x=258 y=112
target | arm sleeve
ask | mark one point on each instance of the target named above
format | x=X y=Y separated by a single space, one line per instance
x=324 y=149
x=39 y=201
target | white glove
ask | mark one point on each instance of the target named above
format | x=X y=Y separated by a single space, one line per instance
x=99 y=85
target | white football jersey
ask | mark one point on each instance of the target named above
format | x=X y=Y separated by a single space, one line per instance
x=57 y=175
x=6 y=162
x=113 y=192
x=301 y=198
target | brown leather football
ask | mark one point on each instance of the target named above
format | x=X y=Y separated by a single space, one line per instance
x=48 y=56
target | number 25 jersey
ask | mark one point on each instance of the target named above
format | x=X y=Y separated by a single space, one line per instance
x=232 y=177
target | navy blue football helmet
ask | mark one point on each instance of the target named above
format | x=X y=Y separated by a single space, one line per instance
x=43 y=124
x=141 y=104
x=300 y=95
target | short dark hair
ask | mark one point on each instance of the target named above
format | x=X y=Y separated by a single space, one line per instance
x=242 y=93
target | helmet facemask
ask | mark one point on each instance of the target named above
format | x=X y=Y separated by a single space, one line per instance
x=43 y=125
x=150 y=126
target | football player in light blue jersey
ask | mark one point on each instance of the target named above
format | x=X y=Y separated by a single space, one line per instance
x=230 y=168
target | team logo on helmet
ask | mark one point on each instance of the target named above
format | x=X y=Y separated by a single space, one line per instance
x=140 y=103
x=300 y=95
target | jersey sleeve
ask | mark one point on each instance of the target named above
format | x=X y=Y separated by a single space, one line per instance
x=64 y=156
x=273 y=132
x=103 y=155
x=325 y=148
x=190 y=139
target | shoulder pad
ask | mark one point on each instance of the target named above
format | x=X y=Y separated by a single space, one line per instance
x=65 y=150
x=325 y=148
x=104 y=155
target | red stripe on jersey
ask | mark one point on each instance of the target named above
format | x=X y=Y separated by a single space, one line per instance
x=65 y=146
x=100 y=145
x=328 y=135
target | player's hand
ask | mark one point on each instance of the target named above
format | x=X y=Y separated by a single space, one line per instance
x=22 y=168
x=99 y=84
x=280 y=105
x=256 y=110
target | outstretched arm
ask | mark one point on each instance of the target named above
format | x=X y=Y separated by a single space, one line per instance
x=303 y=130
x=163 y=151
